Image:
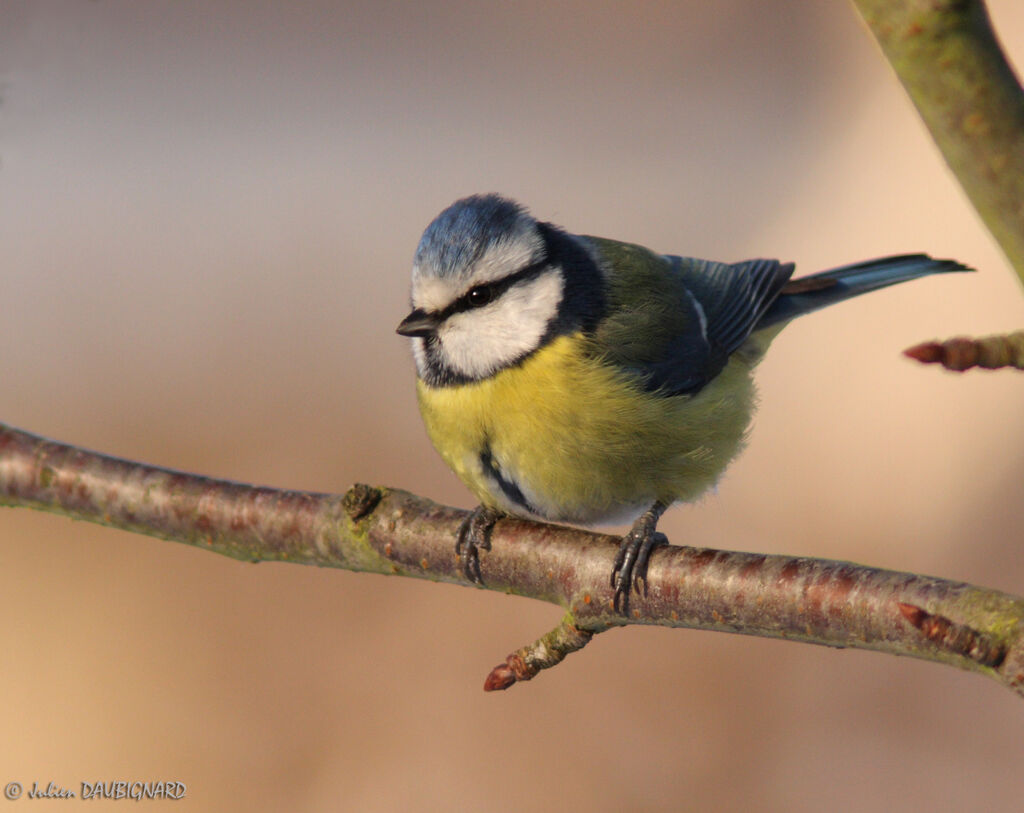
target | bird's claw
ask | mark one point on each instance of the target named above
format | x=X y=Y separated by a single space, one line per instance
x=475 y=535
x=630 y=570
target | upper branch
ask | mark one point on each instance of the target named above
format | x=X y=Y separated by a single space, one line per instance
x=947 y=57
x=387 y=531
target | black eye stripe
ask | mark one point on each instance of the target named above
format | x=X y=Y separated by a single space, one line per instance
x=490 y=291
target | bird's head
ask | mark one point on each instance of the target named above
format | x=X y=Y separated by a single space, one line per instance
x=489 y=286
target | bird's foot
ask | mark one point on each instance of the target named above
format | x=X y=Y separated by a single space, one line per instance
x=630 y=571
x=475 y=535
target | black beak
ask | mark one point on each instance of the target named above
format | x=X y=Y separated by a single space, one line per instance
x=418 y=323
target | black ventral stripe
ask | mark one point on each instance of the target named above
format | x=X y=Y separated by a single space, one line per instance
x=508 y=487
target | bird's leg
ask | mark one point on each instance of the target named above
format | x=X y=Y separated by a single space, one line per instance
x=474 y=534
x=630 y=571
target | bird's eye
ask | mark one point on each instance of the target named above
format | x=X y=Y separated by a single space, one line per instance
x=479 y=296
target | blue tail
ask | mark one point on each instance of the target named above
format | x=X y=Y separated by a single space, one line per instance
x=810 y=293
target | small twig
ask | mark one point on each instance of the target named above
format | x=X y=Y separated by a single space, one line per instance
x=963 y=352
x=970 y=643
x=543 y=653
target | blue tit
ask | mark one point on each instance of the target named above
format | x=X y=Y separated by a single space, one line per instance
x=588 y=381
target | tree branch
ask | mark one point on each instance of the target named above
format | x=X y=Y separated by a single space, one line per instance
x=387 y=531
x=948 y=59
x=963 y=352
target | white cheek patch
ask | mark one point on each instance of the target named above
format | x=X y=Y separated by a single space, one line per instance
x=477 y=343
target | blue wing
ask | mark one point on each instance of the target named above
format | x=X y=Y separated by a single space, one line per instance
x=674 y=321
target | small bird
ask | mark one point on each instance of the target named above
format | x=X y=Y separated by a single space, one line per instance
x=588 y=381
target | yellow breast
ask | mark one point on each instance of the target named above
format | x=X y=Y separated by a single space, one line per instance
x=580 y=441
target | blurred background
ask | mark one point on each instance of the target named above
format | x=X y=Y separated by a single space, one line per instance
x=207 y=215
